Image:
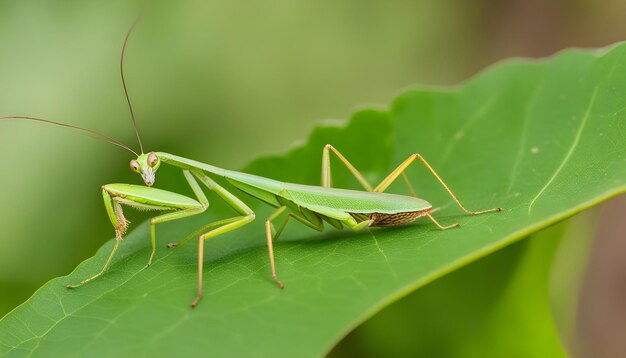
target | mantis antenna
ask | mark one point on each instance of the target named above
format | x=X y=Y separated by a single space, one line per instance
x=130 y=107
x=93 y=134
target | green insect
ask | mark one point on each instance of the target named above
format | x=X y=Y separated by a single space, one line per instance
x=310 y=205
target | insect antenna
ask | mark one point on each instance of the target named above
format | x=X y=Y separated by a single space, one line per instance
x=130 y=107
x=93 y=134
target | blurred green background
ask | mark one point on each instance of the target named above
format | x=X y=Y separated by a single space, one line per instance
x=221 y=82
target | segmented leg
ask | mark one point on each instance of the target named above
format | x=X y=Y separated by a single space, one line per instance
x=178 y=214
x=400 y=170
x=439 y=225
x=237 y=223
x=402 y=167
x=246 y=217
x=326 y=173
x=117 y=243
x=327 y=176
x=271 y=238
x=276 y=233
x=113 y=205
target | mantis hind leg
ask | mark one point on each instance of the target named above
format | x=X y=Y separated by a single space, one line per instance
x=113 y=206
x=327 y=176
x=400 y=171
x=326 y=172
x=439 y=225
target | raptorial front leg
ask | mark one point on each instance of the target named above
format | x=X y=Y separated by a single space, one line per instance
x=116 y=215
x=116 y=195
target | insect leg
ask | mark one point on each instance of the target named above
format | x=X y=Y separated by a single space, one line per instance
x=235 y=224
x=439 y=225
x=326 y=174
x=117 y=243
x=271 y=238
x=178 y=214
x=276 y=233
x=247 y=216
x=114 y=210
x=402 y=167
x=201 y=230
x=169 y=217
x=352 y=224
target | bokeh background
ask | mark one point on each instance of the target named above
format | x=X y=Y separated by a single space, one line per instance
x=227 y=81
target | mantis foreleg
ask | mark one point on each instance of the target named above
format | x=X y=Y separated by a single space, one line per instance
x=113 y=203
x=117 y=243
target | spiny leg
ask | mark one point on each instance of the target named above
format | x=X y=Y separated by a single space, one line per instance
x=113 y=205
x=114 y=211
x=402 y=167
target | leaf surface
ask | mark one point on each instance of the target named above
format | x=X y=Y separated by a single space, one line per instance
x=542 y=139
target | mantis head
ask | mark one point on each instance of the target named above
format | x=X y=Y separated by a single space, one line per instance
x=146 y=165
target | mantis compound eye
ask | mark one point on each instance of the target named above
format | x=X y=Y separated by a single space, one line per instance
x=152 y=159
x=134 y=166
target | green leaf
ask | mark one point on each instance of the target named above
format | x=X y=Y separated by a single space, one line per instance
x=544 y=140
x=498 y=306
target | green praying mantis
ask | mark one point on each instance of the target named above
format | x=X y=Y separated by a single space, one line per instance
x=310 y=205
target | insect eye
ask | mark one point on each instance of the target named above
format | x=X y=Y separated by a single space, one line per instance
x=152 y=159
x=134 y=165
